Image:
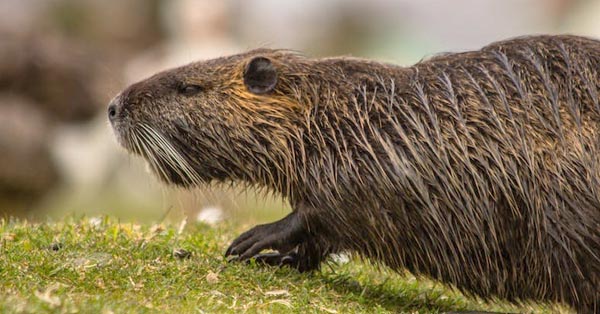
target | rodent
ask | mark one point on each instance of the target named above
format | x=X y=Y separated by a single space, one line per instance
x=479 y=169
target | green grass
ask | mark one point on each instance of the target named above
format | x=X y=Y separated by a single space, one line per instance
x=103 y=266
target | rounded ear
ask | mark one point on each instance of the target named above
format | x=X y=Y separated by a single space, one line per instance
x=260 y=76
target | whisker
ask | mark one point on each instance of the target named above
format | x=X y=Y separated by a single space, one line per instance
x=151 y=156
x=163 y=151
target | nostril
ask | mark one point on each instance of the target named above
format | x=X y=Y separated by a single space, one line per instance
x=112 y=111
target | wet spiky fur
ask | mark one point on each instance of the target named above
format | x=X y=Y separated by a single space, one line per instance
x=478 y=169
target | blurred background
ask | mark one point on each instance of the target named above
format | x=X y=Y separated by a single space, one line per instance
x=61 y=61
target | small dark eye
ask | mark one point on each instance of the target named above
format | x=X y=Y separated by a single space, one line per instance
x=189 y=89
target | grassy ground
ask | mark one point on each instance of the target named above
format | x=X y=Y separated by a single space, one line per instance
x=102 y=266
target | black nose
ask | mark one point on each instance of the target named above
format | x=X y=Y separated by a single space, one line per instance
x=113 y=110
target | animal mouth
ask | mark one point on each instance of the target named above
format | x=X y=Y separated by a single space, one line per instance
x=164 y=159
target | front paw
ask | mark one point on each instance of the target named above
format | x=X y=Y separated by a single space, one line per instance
x=282 y=236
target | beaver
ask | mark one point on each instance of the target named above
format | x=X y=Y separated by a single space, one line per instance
x=478 y=169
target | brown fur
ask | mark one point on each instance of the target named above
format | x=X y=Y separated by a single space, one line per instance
x=479 y=169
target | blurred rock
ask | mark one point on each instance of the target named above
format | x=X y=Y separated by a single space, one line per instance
x=60 y=62
x=57 y=75
x=44 y=82
x=107 y=26
x=26 y=168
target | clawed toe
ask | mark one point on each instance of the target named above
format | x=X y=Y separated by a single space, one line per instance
x=254 y=241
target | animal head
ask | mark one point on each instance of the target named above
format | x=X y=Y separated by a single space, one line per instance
x=214 y=120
